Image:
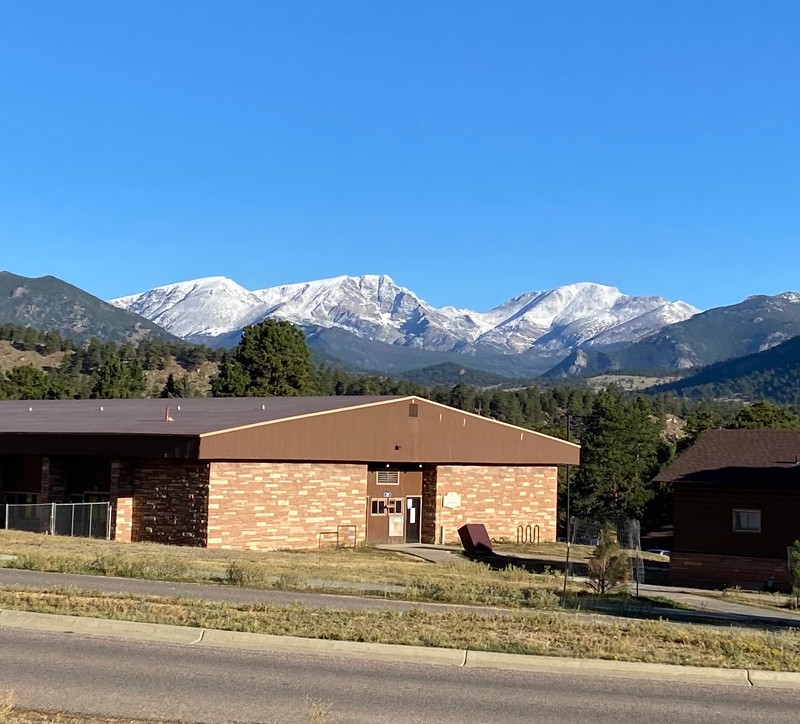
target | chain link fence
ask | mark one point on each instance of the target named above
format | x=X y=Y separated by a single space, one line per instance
x=81 y=520
x=585 y=531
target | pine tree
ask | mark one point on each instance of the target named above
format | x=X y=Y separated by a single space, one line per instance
x=26 y=383
x=230 y=381
x=608 y=565
x=117 y=380
x=276 y=359
x=181 y=387
x=620 y=447
x=765 y=415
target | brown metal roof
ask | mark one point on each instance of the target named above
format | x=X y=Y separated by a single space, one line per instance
x=190 y=416
x=357 y=429
x=734 y=457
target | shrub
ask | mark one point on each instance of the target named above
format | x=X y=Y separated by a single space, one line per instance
x=608 y=566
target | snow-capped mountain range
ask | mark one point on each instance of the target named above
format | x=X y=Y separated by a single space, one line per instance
x=374 y=307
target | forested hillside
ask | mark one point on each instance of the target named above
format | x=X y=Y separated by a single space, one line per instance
x=50 y=303
x=773 y=374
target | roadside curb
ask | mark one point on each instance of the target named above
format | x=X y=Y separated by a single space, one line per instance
x=186 y=635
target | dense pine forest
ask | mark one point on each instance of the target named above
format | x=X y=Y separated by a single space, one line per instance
x=626 y=438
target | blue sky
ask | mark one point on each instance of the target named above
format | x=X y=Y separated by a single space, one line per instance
x=470 y=150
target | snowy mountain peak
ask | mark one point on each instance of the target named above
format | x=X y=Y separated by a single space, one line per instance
x=210 y=306
x=375 y=307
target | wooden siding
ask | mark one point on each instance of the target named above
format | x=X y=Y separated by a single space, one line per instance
x=387 y=433
x=703 y=517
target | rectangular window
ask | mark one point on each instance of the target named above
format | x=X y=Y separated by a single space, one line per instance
x=387 y=477
x=746 y=521
x=21 y=498
x=378 y=506
x=394 y=505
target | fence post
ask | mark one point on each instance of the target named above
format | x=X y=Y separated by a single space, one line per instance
x=6 y=516
x=52 y=518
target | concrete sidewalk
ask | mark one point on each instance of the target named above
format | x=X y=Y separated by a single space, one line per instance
x=700 y=601
x=430 y=553
x=695 y=598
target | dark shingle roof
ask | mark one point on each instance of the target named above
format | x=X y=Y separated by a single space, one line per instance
x=190 y=416
x=755 y=457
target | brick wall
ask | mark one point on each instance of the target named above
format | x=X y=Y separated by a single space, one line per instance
x=430 y=499
x=170 y=503
x=500 y=497
x=714 y=571
x=54 y=485
x=264 y=506
x=121 y=496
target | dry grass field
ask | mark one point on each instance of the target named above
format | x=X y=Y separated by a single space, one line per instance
x=11 y=357
x=409 y=578
x=532 y=626
x=547 y=633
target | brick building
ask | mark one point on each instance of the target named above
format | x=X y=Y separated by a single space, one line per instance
x=282 y=472
x=735 y=510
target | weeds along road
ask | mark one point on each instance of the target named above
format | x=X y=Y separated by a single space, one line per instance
x=133 y=679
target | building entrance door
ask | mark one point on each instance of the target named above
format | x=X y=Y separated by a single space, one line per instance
x=389 y=493
x=413 y=510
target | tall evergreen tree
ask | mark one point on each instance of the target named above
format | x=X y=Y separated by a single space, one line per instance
x=619 y=456
x=181 y=387
x=117 y=380
x=276 y=359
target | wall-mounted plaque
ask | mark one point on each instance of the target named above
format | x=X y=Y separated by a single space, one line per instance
x=451 y=500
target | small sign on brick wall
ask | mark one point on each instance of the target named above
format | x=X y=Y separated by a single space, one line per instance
x=451 y=500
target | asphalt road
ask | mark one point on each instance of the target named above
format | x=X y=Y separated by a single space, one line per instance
x=126 y=678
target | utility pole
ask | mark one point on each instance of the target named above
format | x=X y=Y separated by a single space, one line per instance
x=568 y=531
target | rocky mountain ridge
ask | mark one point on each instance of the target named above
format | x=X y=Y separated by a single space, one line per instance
x=214 y=309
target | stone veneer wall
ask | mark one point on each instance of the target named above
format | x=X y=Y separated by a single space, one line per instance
x=121 y=496
x=428 y=532
x=702 y=570
x=500 y=497
x=170 y=503
x=264 y=506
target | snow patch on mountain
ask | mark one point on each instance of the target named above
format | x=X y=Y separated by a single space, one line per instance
x=211 y=306
x=375 y=307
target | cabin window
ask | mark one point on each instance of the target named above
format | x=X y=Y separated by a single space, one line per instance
x=394 y=505
x=746 y=520
x=381 y=506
